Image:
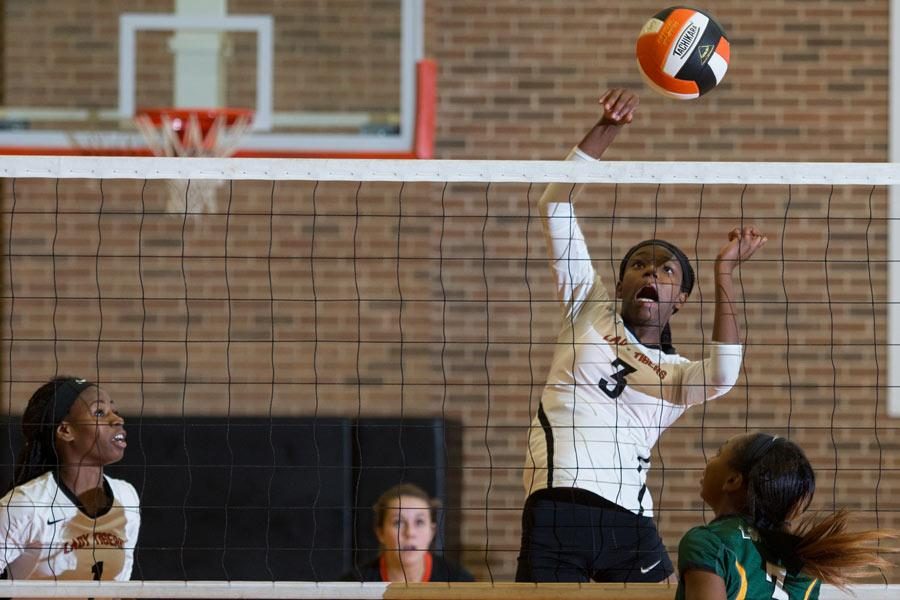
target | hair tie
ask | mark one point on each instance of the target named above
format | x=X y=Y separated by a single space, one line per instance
x=780 y=548
x=759 y=447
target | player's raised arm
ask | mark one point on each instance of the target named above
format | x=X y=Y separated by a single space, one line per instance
x=720 y=370
x=618 y=106
x=569 y=257
x=742 y=244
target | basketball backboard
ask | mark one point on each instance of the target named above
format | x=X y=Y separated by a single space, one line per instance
x=339 y=78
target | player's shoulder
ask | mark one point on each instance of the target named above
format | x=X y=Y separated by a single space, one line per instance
x=728 y=532
x=701 y=535
x=734 y=532
x=39 y=487
x=26 y=498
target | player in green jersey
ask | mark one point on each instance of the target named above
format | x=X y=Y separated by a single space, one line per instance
x=756 y=485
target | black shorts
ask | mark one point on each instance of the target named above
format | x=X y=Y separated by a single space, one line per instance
x=571 y=535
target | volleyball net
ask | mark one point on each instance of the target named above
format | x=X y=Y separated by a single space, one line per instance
x=315 y=331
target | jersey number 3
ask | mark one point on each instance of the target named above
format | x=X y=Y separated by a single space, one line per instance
x=614 y=388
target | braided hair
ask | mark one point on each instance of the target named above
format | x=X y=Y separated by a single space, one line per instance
x=47 y=407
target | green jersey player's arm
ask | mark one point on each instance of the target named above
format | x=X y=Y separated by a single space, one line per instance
x=703 y=585
x=703 y=563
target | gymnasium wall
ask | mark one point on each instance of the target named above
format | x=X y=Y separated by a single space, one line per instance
x=419 y=300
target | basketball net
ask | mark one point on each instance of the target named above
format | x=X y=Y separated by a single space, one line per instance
x=195 y=133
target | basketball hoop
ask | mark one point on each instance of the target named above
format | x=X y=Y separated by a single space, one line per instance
x=194 y=132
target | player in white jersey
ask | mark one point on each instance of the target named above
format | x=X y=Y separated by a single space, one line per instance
x=615 y=385
x=63 y=518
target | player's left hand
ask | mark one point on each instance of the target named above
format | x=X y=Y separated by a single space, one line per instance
x=743 y=242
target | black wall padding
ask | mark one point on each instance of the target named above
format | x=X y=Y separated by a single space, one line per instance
x=402 y=451
x=257 y=499
x=242 y=500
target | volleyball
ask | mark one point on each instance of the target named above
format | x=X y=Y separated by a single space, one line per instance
x=682 y=52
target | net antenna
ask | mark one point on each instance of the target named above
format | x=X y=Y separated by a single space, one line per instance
x=194 y=133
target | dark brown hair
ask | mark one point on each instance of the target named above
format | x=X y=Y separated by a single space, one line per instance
x=404 y=489
x=780 y=484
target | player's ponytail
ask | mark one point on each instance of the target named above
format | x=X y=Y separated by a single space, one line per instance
x=837 y=556
x=780 y=484
x=46 y=408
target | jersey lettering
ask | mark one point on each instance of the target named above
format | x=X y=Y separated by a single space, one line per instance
x=614 y=388
x=97 y=570
x=776 y=574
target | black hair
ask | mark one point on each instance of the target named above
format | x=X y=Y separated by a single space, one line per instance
x=780 y=481
x=687 y=281
x=46 y=408
x=780 y=484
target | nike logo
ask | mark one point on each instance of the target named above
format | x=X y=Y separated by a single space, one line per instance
x=50 y=522
x=646 y=570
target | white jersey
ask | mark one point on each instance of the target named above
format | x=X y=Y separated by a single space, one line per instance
x=45 y=535
x=608 y=397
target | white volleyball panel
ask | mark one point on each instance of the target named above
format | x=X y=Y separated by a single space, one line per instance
x=688 y=38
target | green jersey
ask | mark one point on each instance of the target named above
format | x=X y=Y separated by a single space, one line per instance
x=730 y=548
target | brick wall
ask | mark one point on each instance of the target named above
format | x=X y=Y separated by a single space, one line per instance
x=420 y=300
x=329 y=55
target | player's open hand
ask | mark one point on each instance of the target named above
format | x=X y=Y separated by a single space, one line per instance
x=618 y=105
x=743 y=242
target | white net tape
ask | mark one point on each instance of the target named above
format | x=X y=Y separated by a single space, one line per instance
x=488 y=171
x=295 y=590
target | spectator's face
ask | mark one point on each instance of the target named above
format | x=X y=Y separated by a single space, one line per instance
x=407 y=528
